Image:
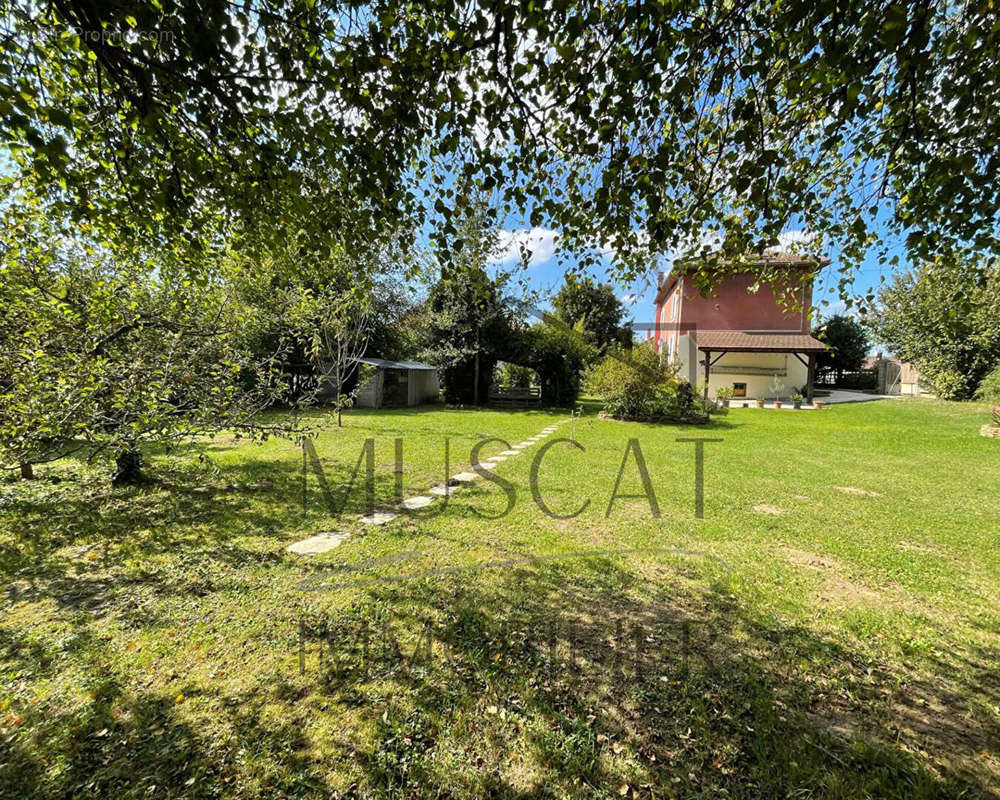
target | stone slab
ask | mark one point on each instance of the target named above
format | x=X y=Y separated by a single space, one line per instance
x=320 y=543
x=466 y=477
x=413 y=503
x=378 y=518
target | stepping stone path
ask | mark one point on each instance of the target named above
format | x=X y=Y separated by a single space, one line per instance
x=466 y=477
x=319 y=543
x=378 y=518
x=413 y=503
x=322 y=542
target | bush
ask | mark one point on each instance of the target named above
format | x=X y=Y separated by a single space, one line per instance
x=634 y=385
x=989 y=389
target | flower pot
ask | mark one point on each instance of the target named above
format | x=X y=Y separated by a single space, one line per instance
x=797 y=404
x=817 y=404
x=760 y=404
x=777 y=404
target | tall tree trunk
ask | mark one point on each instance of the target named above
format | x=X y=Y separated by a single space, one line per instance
x=128 y=469
x=475 y=388
x=27 y=472
x=340 y=389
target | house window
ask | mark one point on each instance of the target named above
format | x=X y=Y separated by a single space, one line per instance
x=677 y=299
x=672 y=351
x=739 y=390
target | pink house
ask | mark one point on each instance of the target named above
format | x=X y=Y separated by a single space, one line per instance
x=751 y=339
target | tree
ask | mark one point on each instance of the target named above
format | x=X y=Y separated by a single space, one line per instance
x=468 y=329
x=652 y=123
x=848 y=342
x=339 y=343
x=558 y=354
x=596 y=309
x=945 y=319
x=106 y=349
x=468 y=324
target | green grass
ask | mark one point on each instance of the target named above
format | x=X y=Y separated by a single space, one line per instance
x=829 y=628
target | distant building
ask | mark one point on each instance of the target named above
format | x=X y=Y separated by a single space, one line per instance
x=894 y=376
x=739 y=338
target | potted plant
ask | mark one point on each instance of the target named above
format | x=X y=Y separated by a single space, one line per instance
x=760 y=402
x=723 y=396
x=796 y=400
x=817 y=404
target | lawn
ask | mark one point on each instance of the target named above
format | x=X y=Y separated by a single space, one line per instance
x=829 y=627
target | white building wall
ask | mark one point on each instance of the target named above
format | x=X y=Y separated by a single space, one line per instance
x=370 y=392
x=423 y=386
x=757 y=371
x=687 y=357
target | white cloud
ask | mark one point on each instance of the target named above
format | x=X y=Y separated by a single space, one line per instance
x=793 y=241
x=537 y=245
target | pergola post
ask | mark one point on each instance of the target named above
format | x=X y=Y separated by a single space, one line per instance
x=708 y=366
x=811 y=379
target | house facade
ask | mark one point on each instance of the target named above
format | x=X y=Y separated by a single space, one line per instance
x=742 y=336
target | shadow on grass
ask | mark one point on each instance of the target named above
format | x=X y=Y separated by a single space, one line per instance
x=601 y=684
x=603 y=678
x=606 y=679
x=120 y=743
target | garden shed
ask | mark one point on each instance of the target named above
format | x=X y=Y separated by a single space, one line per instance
x=398 y=383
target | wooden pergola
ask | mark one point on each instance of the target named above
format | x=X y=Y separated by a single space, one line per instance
x=801 y=345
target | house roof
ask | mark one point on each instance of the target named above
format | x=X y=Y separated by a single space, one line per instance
x=382 y=363
x=742 y=341
x=778 y=258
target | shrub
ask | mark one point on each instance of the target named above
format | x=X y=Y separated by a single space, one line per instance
x=634 y=385
x=989 y=389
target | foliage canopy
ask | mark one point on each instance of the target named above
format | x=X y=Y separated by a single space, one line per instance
x=633 y=126
x=945 y=319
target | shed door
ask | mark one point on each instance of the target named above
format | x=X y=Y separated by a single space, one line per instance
x=395 y=389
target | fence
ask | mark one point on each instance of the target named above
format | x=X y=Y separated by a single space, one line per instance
x=515 y=396
x=859 y=379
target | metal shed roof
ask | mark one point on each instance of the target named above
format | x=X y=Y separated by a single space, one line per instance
x=381 y=362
